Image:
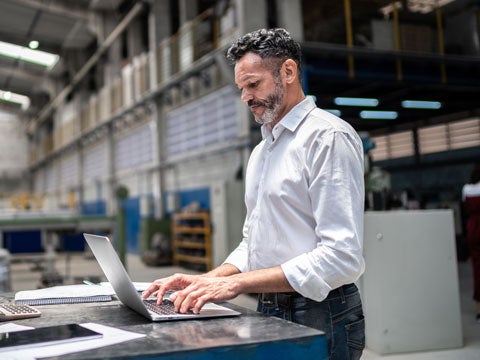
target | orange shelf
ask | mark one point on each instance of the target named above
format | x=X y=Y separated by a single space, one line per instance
x=192 y=241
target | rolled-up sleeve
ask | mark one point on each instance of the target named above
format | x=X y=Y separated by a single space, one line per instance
x=239 y=257
x=336 y=187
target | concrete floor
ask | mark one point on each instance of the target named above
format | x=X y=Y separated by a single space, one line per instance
x=77 y=266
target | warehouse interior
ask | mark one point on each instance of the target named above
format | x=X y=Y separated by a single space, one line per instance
x=122 y=117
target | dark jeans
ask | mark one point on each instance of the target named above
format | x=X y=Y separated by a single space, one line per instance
x=340 y=316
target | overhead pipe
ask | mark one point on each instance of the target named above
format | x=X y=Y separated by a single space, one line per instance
x=57 y=8
x=348 y=25
x=60 y=98
x=441 y=43
x=396 y=30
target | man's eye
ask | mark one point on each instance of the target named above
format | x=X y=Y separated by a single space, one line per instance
x=253 y=85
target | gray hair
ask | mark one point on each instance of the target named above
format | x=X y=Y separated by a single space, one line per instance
x=275 y=45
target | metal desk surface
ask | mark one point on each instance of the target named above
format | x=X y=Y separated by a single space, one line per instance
x=251 y=335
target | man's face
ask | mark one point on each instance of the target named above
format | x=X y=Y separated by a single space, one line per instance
x=260 y=90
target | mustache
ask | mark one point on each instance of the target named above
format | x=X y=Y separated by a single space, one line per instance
x=256 y=103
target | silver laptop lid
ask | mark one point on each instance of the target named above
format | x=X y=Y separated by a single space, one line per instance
x=115 y=272
x=122 y=284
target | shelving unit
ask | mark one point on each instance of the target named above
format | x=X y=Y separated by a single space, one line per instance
x=192 y=240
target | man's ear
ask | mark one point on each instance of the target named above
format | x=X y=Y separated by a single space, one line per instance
x=290 y=71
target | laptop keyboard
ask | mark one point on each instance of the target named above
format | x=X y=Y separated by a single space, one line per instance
x=165 y=308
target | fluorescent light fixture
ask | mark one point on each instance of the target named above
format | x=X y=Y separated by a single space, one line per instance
x=421 y=104
x=22 y=100
x=349 y=101
x=25 y=54
x=426 y=6
x=420 y=6
x=379 y=115
x=334 y=112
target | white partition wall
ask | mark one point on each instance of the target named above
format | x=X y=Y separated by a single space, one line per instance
x=410 y=286
x=228 y=214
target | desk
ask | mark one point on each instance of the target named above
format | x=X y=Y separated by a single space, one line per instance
x=249 y=336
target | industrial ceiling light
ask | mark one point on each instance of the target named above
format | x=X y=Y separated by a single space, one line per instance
x=33 y=44
x=421 y=104
x=9 y=96
x=25 y=54
x=350 y=101
x=378 y=115
x=334 y=112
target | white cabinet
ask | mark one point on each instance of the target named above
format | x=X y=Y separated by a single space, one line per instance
x=410 y=286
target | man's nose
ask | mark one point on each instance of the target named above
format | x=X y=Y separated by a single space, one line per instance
x=246 y=96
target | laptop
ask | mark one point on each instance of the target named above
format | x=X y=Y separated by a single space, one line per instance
x=122 y=285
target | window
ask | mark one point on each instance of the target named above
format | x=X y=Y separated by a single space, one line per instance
x=433 y=139
x=208 y=121
x=135 y=148
x=95 y=163
x=464 y=134
x=69 y=170
x=455 y=135
x=393 y=146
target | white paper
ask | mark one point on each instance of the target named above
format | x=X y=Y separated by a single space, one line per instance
x=139 y=286
x=12 y=327
x=64 y=291
x=111 y=336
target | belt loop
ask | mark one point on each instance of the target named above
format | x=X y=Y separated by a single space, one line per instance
x=342 y=295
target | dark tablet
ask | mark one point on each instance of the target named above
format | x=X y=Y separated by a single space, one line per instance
x=49 y=335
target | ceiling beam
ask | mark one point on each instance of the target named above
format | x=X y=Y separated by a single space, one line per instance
x=62 y=95
x=22 y=75
x=23 y=41
x=58 y=7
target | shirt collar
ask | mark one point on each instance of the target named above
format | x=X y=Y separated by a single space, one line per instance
x=292 y=119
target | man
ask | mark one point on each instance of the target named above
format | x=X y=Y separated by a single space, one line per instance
x=302 y=237
x=471 y=202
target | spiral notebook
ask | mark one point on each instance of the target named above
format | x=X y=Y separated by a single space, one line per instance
x=67 y=294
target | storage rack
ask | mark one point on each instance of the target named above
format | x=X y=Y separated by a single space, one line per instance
x=192 y=240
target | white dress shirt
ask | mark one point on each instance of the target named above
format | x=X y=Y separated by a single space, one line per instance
x=305 y=200
x=470 y=190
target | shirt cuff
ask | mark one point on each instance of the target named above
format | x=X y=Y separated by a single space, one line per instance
x=302 y=277
x=238 y=260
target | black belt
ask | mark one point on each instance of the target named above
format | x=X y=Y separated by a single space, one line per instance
x=285 y=298
x=341 y=290
x=281 y=299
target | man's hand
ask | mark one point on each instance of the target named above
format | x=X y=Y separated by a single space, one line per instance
x=192 y=291
x=159 y=287
x=203 y=289
x=221 y=284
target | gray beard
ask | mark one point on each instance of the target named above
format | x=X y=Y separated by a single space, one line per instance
x=272 y=106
